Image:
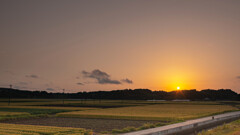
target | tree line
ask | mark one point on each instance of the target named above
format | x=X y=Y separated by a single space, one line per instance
x=127 y=94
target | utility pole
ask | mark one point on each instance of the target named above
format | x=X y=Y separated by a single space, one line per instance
x=63 y=96
x=9 y=98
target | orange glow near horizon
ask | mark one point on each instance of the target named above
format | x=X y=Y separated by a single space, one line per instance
x=175 y=80
x=183 y=76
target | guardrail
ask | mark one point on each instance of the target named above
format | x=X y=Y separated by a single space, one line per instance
x=189 y=126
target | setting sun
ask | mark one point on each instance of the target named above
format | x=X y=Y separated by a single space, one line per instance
x=178 y=88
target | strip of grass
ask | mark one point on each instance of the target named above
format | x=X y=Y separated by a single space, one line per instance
x=131 y=129
x=232 y=128
x=165 y=119
x=104 y=105
x=21 y=116
x=118 y=103
x=93 y=103
x=33 y=111
x=144 y=126
x=52 y=107
x=11 y=115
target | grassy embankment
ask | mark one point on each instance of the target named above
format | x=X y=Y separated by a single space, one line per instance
x=232 y=128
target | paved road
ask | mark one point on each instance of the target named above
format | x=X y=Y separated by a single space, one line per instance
x=184 y=125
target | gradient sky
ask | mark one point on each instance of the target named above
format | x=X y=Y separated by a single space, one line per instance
x=108 y=44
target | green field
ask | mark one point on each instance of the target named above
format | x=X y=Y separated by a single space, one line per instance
x=164 y=112
x=8 y=115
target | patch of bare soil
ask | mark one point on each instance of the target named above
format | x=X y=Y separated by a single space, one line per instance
x=97 y=125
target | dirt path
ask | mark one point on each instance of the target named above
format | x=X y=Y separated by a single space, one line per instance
x=97 y=125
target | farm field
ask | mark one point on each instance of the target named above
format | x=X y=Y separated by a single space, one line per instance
x=97 y=125
x=118 y=115
x=16 y=129
x=152 y=112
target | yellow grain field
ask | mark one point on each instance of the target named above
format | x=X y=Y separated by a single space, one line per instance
x=17 y=129
x=153 y=112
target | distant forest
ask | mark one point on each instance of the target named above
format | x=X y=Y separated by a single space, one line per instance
x=127 y=94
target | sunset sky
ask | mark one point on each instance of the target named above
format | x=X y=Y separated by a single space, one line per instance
x=94 y=45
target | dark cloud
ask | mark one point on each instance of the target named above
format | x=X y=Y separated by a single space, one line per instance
x=238 y=77
x=80 y=83
x=127 y=81
x=100 y=76
x=32 y=76
x=50 y=89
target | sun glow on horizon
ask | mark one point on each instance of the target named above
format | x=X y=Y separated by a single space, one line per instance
x=178 y=88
